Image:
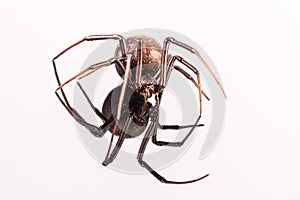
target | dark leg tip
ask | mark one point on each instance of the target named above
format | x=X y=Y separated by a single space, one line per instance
x=104 y=163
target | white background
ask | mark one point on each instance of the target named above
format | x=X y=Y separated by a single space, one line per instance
x=254 y=44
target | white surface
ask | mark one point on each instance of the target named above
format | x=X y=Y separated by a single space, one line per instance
x=254 y=44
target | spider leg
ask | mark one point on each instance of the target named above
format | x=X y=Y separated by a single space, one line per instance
x=140 y=62
x=177 y=127
x=120 y=38
x=188 y=76
x=107 y=122
x=93 y=129
x=152 y=129
x=112 y=136
x=192 y=68
x=171 y=127
x=176 y=144
x=96 y=110
x=120 y=141
x=164 y=64
x=124 y=86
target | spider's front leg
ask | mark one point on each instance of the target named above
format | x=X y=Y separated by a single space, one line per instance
x=174 y=127
x=177 y=144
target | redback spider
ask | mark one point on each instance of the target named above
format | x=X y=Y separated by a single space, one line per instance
x=127 y=113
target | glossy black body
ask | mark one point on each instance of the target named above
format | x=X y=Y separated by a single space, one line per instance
x=134 y=105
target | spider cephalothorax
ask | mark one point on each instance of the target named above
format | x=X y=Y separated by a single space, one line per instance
x=145 y=67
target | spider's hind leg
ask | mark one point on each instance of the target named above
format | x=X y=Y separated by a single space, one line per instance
x=176 y=127
x=152 y=129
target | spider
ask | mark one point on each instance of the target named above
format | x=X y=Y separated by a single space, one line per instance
x=145 y=67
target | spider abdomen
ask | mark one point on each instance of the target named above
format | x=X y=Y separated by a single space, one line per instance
x=151 y=54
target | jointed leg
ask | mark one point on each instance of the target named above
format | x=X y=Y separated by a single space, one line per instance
x=192 y=68
x=152 y=129
x=164 y=69
x=64 y=99
x=175 y=144
x=177 y=127
x=171 y=127
x=188 y=76
x=142 y=150
x=96 y=110
x=124 y=87
x=108 y=124
x=93 y=129
x=140 y=63
x=120 y=141
x=89 y=38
